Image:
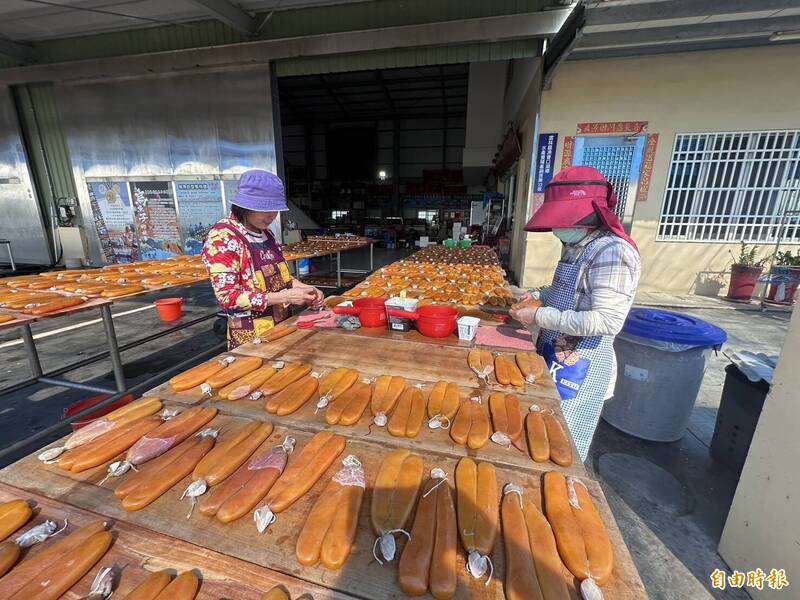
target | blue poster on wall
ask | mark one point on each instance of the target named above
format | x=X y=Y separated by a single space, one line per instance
x=545 y=159
x=199 y=208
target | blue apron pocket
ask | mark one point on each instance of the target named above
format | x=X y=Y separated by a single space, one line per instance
x=568 y=378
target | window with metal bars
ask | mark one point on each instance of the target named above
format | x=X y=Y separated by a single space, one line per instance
x=615 y=163
x=733 y=187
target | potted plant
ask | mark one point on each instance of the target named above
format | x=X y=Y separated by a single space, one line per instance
x=745 y=271
x=784 y=277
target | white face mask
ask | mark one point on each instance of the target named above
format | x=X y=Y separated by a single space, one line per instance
x=571 y=235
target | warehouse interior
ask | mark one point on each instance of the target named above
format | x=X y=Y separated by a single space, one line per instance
x=381 y=152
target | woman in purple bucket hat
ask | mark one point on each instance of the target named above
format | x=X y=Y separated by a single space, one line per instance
x=248 y=272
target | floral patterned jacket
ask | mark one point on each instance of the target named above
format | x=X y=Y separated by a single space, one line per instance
x=237 y=284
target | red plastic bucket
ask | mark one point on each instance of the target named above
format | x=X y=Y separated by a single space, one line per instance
x=370 y=311
x=169 y=309
x=432 y=321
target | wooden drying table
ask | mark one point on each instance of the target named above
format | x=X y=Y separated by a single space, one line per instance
x=137 y=552
x=146 y=290
x=104 y=305
x=272 y=554
x=380 y=351
x=248 y=557
x=419 y=364
x=24 y=323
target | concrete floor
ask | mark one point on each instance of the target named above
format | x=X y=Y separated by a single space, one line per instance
x=670 y=500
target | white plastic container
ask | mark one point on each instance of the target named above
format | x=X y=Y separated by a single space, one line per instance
x=467 y=327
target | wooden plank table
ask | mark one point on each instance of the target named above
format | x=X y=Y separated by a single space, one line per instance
x=146 y=290
x=137 y=552
x=90 y=304
x=307 y=418
x=384 y=354
x=353 y=352
x=361 y=576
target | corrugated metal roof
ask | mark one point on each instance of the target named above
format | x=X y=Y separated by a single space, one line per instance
x=139 y=41
x=302 y=22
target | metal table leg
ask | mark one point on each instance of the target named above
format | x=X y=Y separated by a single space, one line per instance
x=338 y=269
x=30 y=350
x=113 y=348
x=371 y=263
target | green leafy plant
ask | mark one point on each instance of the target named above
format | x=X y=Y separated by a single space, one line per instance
x=748 y=256
x=787 y=259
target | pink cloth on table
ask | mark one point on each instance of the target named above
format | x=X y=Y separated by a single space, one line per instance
x=504 y=337
x=326 y=318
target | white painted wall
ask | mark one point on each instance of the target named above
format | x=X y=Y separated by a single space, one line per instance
x=763 y=528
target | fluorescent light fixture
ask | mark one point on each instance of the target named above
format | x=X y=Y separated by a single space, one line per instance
x=784 y=36
x=382 y=175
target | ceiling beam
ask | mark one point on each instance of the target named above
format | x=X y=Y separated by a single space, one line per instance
x=285 y=103
x=333 y=95
x=230 y=14
x=706 y=32
x=345 y=95
x=15 y=50
x=635 y=11
x=387 y=96
x=293 y=83
x=287 y=120
x=700 y=46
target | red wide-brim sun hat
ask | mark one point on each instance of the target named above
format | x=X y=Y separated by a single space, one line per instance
x=579 y=197
x=570 y=200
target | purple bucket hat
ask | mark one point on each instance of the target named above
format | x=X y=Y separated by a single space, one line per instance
x=260 y=190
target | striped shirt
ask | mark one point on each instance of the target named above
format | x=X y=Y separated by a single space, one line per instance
x=604 y=293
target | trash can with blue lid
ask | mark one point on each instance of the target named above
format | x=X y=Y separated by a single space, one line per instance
x=661 y=360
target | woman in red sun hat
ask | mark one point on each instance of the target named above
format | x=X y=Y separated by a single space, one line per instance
x=592 y=291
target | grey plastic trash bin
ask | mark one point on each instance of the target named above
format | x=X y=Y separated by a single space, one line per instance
x=661 y=360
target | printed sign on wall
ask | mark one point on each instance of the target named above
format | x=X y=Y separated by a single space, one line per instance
x=545 y=160
x=156 y=220
x=114 y=220
x=199 y=208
